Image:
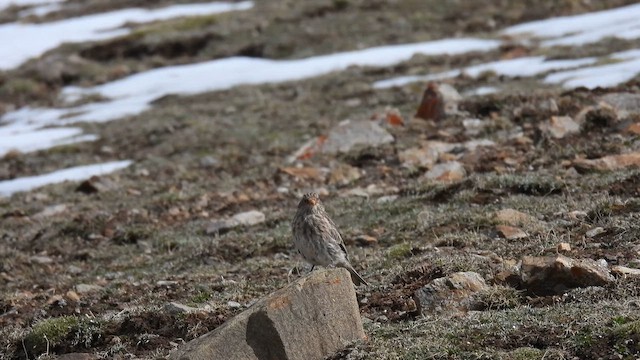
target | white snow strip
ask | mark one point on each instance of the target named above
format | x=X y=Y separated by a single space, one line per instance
x=606 y=75
x=21 y=42
x=520 y=67
x=483 y=90
x=70 y=174
x=622 y=22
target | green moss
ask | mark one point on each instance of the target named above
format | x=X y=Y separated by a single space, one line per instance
x=399 y=251
x=201 y=297
x=50 y=333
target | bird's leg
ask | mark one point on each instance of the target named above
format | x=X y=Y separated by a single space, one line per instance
x=295 y=269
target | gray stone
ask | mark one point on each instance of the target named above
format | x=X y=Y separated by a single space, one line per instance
x=248 y=218
x=446 y=172
x=42 y=260
x=551 y=275
x=594 y=232
x=87 y=288
x=455 y=292
x=450 y=97
x=311 y=318
x=350 y=134
x=177 y=308
x=560 y=126
x=624 y=104
x=51 y=211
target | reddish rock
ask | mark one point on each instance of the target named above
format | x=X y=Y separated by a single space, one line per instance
x=432 y=105
x=610 y=163
x=510 y=232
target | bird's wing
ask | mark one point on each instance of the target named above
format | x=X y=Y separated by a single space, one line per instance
x=335 y=235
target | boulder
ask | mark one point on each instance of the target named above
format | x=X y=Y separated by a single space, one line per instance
x=311 y=318
x=551 y=275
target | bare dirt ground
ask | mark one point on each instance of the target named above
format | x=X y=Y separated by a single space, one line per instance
x=142 y=238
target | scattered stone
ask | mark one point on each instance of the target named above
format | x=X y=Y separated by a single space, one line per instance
x=209 y=161
x=428 y=154
x=510 y=232
x=560 y=126
x=350 y=134
x=577 y=215
x=303 y=173
x=447 y=172
x=365 y=240
x=234 y=304
x=248 y=218
x=623 y=270
x=55 y=299
x=563 y=247
x=624 y=104
x=424 y=157
x=42 y=260
x=371 y=190
x=72 y=269
x=344 y=174
x=594 y=232
x=87 y=288
x=513 y=217
x=177 y=308
x=556 y=274
x=311 y=318
x=51 y=211
x=343 y=138
x=454 y=292
x=610 y=163
x=166 y=283
x=95 y=184
x=73 y=296
x=386 y=199
x=473 y=127
x=57 y=67
x=451 y=97
x=633 y=129
x=390 y=117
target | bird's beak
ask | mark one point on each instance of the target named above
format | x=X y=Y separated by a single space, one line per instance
x=312 y=201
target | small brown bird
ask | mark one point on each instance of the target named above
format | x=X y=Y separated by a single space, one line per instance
x=317 y=239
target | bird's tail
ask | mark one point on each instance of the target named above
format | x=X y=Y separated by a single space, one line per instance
x=355 y=277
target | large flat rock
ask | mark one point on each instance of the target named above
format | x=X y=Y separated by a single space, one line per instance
x=311 y=318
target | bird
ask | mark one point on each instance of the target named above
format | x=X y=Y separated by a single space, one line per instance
x=317 y=238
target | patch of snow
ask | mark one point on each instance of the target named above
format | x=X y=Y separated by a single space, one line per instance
x=583 y=29
x=606 y=75
x=70 y=174
x=483 y=90
x=35 y=39
x=525 y=67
